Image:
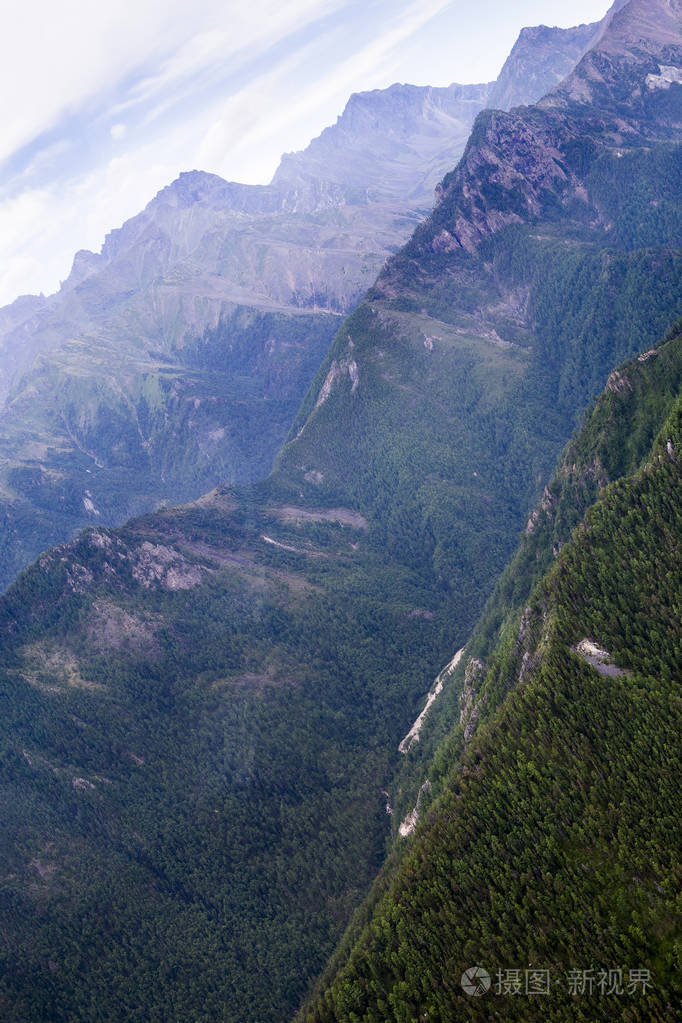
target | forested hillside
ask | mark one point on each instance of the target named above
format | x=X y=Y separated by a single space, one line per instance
x=550 y=858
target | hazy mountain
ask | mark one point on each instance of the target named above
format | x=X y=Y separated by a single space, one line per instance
x=392 y=143
x=539 y=60
x=176 y=358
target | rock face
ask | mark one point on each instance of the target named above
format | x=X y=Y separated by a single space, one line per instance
x=386 y=131
x=633 y=69
x=540 y=59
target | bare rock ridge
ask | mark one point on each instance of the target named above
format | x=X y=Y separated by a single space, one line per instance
x=540 y=59
x=632 y=67
x=517 y=164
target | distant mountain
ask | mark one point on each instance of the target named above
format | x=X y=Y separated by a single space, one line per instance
x=540 y=59
x=392 y=143
x=176 y=358
x=203 y=711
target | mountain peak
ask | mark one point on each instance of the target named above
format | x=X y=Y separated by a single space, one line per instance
x=84 y=263
x=191 y=187
x=633 y=68
x=540 y=58
x=643 y=23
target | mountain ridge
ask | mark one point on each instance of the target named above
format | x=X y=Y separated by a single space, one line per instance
x=262 y=274
x=540 y=41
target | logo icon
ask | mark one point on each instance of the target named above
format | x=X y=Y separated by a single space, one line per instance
x=476 y=981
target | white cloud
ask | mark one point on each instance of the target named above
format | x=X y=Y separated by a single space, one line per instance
x=249 y=132
x=21 y=220
x=192 y=57
x=16 y=270
x=219 y=85
x=54 y=58
x=44 y=158
x=34 y=225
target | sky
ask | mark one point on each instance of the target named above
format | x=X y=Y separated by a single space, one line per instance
x=104 y=103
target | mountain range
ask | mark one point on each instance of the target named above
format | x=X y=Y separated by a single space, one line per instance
x=214 y=765
x=176 y=358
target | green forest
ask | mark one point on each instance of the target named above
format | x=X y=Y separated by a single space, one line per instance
x=553 y=847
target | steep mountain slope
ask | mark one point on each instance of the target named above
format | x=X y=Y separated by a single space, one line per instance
x=615 y=440
x=613 y=443
x=176 y=358
x=449 y=393
x=202 y=711
x=208 y=239
x=551 y=858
